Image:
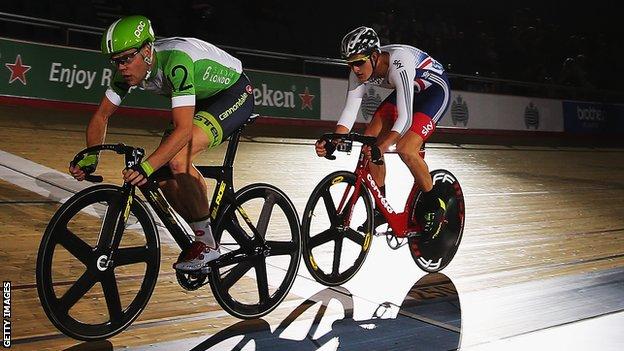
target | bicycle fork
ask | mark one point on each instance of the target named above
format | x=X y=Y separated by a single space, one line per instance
x=256 y=243
x=351 y=203
x=113 y=226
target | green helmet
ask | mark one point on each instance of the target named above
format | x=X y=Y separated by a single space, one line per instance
x=127 y=33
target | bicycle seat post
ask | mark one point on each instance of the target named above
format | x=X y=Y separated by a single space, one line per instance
x=230 y=154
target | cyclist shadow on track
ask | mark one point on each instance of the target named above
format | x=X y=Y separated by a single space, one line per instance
x=428 y=319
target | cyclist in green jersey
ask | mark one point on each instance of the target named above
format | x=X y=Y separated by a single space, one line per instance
x=211 y=97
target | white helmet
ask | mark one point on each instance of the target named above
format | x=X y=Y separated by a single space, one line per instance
x=362 y=40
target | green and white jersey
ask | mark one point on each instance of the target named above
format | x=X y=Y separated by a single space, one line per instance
x=187 y=69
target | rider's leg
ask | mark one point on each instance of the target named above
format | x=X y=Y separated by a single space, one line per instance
x=189 y=192
x=431 y=208
x=216 y=118
x=379 y=126
x=192 y=188
x=408 y=148
x=429 y=105
x=193 y=216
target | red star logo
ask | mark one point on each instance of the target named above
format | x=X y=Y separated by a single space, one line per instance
x=18 y=70
x=306 y=99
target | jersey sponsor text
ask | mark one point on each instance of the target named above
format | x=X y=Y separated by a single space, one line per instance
x=241 y=100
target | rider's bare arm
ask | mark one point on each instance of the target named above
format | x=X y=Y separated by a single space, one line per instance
x=96 y=130
x=182 y=118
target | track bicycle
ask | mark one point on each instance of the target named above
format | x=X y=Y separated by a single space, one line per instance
x=106 y=235
x=337 y=225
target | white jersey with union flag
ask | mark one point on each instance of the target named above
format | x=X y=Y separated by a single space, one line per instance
x=404 y=61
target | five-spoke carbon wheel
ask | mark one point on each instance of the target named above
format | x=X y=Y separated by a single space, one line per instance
x=433 y=254
x=334 y=248
x=250 y=280
x=87 y=290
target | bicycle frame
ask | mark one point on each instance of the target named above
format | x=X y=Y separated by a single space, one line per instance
x=398 y=222
x=223 y=196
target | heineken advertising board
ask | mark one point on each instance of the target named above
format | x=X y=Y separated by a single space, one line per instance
x=283 y=95
x=75 y=75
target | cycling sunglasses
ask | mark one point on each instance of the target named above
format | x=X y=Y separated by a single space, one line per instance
x=123 y=60
x=359 y=62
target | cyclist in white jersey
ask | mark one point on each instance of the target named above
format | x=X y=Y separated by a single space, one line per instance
x=211 y=97
x=407 y=117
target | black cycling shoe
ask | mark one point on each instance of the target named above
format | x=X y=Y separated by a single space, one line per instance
x=378 y=219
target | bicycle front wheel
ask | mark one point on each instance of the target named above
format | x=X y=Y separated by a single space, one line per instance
x=335 y=251
x=87 y=291
x=250 y=280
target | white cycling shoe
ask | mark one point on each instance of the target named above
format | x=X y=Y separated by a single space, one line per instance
x=198 y=255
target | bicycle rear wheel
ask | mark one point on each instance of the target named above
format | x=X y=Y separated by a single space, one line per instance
x=333 y=252
x=433 y=254
x=248 y=280
x=73 y=259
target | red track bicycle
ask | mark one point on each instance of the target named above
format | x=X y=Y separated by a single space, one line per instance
x=337 y=225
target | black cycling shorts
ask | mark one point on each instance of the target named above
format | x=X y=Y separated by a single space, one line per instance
x=223 y=113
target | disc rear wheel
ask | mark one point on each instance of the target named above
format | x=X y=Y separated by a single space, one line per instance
x=432 y=254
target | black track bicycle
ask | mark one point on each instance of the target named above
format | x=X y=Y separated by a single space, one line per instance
x=99 y=258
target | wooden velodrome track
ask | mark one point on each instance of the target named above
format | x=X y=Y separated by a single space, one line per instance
x=541 y=263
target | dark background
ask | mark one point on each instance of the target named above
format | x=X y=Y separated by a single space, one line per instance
x=551 y=42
